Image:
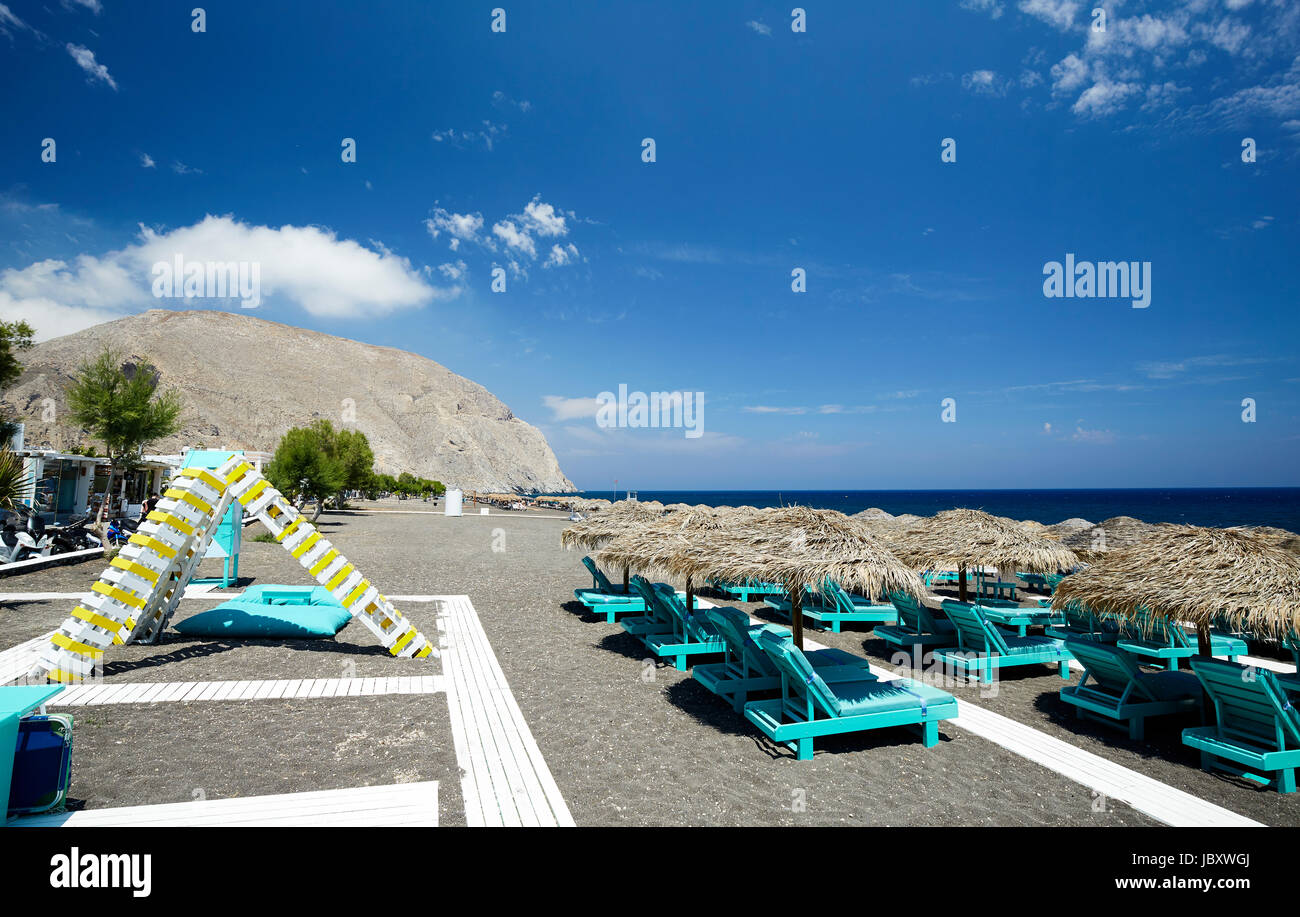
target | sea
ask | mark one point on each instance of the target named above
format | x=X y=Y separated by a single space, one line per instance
x=1217 y=506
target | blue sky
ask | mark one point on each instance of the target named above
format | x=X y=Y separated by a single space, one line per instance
x=775 y=150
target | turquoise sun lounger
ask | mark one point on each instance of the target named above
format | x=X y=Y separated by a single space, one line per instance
x=1158 y=638
x=1079 y=621
x=1044 y=581
x=605 y=597
x=809 y=707
x=746 y=591
x=1114 y=690
x=918 y=625
x=981 y=647
x=672 y=632
x=656 y=619
x=1016 y=616
x=1257 y=734
x=833 y=607
x=748 y=669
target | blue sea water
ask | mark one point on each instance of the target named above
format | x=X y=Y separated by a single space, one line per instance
x=1275 y=506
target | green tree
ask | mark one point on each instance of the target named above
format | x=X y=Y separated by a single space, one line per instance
x=14 y=336
x=119 y=403
x=355 y=458
x=306 y=466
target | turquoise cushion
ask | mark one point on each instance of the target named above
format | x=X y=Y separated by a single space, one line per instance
x=858 y=697
x=253 y=619
x=1017 y=646
x=288 y=595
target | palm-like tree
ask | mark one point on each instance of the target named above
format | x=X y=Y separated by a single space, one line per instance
x=13 y=480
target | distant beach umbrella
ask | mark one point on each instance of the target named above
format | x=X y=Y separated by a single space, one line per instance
x=1237 y=578
x=964 y=538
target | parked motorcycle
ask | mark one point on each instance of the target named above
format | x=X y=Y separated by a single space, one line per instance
x=73 y=535
x=21 y=543
x=120 y=530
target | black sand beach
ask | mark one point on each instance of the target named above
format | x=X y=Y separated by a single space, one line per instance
x=628 y=742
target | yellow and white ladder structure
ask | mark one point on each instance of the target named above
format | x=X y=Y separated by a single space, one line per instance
x=136 y=596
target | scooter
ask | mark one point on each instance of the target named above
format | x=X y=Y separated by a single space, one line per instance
x=30 y=541
x=120 y=530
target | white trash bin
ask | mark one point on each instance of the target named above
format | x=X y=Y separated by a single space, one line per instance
x=453 y=504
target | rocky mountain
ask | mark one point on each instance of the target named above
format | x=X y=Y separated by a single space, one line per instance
x=245 y=381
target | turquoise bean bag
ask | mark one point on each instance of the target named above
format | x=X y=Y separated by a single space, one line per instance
x=271 y=612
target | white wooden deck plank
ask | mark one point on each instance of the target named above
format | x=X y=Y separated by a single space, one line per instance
x=545 y=796
x=223 y=691
x=505 y=778
x=401 y=804
x=520 y=781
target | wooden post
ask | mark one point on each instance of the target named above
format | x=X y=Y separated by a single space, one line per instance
x=690 y=596
x=796 y=616
x=1204 y=647
x=627 y=578
x=961 y=582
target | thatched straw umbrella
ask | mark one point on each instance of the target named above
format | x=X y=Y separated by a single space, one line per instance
x=617 y=519
x=795 y=546
x=1115 y=533
x=1281 y=538
x=649 y=545
x=1196 y=574
x=965 y=538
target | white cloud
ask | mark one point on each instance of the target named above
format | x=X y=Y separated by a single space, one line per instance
x=564 y=409
x=486 y=137
x=1095 y=437
x=146 y=161
x=453 y=270
x=181 y=168
x=542 y=219
x=8 y=20
x=984 y=82
x=304 y=265
x=462 y=227
x=501 y=100
x=1058 y=13
x=92 y=5
x=993 y=7
x=515 y=238
x=1104 y=97
x=759 y=27
x=85 y=59
x=769 y=409
x=561 y=256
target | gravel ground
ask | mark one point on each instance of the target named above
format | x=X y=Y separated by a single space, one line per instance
x=629 y=742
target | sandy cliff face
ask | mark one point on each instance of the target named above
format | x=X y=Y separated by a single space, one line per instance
x=245 y=381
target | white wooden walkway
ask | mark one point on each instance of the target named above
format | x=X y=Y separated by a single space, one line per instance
x=505 y=780
x=400 y=805
x=281 y=689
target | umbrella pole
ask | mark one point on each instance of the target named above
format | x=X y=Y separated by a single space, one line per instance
x=1203 y=645
x=690 y=596
x=796 y=616
x=626 y=579
x=961 y=582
